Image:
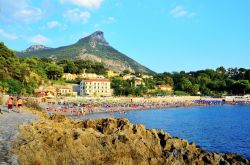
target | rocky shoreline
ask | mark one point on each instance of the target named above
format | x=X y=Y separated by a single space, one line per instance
x=60 y=140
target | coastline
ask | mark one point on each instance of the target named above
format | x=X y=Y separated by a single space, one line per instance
x=60 y=140
x=60 y=122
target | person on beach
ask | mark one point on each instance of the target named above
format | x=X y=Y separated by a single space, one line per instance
x=9 y=103
x=19 y=104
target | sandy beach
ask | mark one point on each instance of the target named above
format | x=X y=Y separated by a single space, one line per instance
x=89 y=105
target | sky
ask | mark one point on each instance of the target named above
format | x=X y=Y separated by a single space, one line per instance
x=164 y=35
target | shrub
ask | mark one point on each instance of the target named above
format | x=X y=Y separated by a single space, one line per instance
x=1 y=99
x=181 y=93
x=33 y=103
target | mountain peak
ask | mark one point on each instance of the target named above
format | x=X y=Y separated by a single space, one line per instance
x=34 y=48
x=98 y=38
x=94 y=39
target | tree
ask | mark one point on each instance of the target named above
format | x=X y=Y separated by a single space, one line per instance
x=240 y=87
x=68 y=66
x=54 y=71
x=195 y=89
x=168 y=80
x=186 y=85
x=221 y=70
x=5 y=52
x=126 y=72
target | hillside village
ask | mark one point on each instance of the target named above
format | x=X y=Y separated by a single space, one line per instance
x=94 y=85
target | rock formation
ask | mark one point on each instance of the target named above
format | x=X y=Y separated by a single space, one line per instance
x=59 y=140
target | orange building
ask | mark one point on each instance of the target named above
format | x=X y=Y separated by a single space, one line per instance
x=165 y=87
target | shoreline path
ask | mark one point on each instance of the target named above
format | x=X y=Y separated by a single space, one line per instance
x=9 y=123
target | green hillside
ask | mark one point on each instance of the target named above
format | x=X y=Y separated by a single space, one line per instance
x=94 y=47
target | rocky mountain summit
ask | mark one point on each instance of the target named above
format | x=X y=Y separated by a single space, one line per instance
x=94 y=48
x=59 y=140
x=98 y=38
x=34 y=48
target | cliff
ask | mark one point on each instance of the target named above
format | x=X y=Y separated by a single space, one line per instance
x=59 y=140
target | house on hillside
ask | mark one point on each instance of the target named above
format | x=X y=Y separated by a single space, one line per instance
x=90 y=76
x=69 y=76
x=138 y=82
x=43 y=91
x=66 y=91
x=165 y=88
x=147 y=77
x=112 y=74
x=95 y=87
x=128 y=77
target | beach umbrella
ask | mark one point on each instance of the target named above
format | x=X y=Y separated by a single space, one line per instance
x=50 y=96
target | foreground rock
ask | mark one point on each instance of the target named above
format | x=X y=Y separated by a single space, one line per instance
x=59 y=140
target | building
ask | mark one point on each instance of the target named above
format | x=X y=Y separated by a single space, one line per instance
x=90 y=76
x=147 y=77
x=66 y=91
x=112 y=74
x=165 y=88
x=128 y=77
x=95 y=87
x=138 y=82
x=43 y=91
x=55 y=90
x=69 y=76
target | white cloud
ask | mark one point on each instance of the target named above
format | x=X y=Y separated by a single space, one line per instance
x=97 y=27
x=7 y=35
x=39 y=39
x=53 y=24
x=16 y=11
x=180 y=11
x=109 y=20
x=75 y=15
x=89 y=4
x=28 y=14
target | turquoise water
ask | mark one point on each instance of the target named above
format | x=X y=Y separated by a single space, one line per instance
x=223 y=129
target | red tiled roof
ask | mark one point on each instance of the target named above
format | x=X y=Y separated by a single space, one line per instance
x=65 y=88
x=96 y=80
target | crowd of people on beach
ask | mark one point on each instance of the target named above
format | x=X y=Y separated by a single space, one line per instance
x=78 y=108
x=13 y=102
x=72 y=108
x=221 y=102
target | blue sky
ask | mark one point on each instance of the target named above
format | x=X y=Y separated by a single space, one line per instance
x=164 y=35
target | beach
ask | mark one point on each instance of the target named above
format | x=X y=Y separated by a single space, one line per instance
x=90 y=105
x=9 y=127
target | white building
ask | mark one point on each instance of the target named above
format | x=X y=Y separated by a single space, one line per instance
x=95 y=87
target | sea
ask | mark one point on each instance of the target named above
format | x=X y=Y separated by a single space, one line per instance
x=224 y=129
